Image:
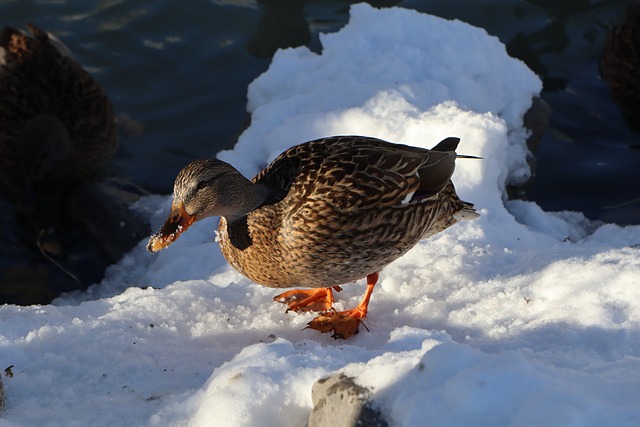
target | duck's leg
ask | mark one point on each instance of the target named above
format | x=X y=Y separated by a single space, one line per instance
x=344 y=324
x=320 y=299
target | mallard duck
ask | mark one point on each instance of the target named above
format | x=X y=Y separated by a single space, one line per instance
x=57 y=127
x=324 y=213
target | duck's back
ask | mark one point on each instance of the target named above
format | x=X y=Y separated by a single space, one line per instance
x=342 y=208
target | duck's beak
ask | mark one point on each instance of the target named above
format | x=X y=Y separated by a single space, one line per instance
x=179 y=220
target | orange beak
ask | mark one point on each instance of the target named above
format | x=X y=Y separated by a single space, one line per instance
x=179 y=220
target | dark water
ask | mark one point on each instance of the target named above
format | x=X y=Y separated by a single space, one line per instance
x=182 y=70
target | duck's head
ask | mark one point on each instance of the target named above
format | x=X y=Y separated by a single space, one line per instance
x=204 y=188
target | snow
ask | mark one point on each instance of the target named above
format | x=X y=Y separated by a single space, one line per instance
x=520 y=317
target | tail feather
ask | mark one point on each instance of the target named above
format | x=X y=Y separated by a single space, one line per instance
x=467 y=211
x=447 y=144
x=451 y=144
x=467 y=156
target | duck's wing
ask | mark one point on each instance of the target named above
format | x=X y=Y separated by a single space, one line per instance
x=280 y=175
x=358 y=172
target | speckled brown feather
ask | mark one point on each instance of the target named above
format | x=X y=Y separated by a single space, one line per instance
x=38 y=78
x=345 y=207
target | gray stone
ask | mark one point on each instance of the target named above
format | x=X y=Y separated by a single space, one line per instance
x=339 y=402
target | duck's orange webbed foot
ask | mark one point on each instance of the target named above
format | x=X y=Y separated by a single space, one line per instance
x=344 y=324
x=308 y=299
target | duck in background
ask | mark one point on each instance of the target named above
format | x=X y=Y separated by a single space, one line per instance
x=620 y=68
x=57 y=127
x=57 y=132
x=620 y=63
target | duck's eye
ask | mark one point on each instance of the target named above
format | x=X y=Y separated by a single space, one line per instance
x=201 y=185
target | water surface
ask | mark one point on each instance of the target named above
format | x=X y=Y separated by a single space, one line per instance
x=183 y=71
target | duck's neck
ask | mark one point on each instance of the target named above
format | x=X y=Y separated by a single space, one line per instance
x=248 y=199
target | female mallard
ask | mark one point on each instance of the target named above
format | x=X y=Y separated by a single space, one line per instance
x=620 y=63
x=57 y=127
x=324 y=213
